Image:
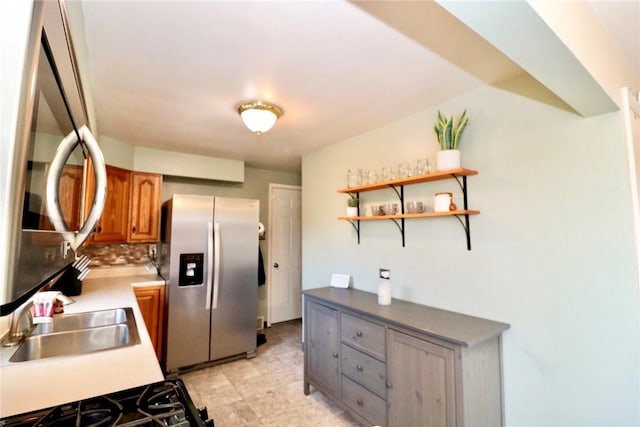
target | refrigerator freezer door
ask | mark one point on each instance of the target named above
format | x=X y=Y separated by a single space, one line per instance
x=216 y=264
x=187 y=315
x=210 y=265
x=233 y=322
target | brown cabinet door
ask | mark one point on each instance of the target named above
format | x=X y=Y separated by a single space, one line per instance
x=113 y=224
x=69 y=196
x=422 y=383
x=151 y=303
x=146 y=191
x=322 y=348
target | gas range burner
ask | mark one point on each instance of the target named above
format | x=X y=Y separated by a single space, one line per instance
x=96 y=412
x=165 y=403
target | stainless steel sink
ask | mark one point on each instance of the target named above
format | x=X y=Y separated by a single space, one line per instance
x=81 y=333
x=91 y=319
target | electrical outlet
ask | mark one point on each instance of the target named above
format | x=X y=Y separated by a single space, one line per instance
x=385 y=273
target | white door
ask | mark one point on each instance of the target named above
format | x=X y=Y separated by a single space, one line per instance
x=285 y=250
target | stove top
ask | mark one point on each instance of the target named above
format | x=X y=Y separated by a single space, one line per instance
x=166 y=403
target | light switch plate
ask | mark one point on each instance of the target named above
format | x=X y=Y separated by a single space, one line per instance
x=340 y=280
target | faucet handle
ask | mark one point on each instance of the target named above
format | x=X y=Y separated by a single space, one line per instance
x=65 y=300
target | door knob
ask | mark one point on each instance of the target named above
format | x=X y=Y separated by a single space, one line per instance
x=276 y=265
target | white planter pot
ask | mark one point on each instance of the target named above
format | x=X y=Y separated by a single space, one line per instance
x=447 y=159
x=352 y=211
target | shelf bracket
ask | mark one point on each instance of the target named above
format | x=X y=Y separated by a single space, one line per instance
x=400 y=193
x=463 y=187
x=356 y=226
x=465 y=224
x=400 y=227
x=467 y=230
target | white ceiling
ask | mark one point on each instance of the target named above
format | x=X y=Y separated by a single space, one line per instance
x=170 y=74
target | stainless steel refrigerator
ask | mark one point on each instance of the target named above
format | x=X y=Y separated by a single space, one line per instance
x=209 y=257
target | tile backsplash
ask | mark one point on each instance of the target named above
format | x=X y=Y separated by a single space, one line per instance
x=118 y=254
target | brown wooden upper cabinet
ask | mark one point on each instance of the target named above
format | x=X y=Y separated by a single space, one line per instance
x=69 y=197
x=132 y=209
x=144 y=218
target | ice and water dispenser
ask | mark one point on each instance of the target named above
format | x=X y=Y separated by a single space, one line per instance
x=191 y=269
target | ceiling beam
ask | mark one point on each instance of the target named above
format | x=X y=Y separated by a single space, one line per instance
x=519 y=31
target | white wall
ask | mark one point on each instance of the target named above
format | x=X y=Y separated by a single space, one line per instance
x=551 y=254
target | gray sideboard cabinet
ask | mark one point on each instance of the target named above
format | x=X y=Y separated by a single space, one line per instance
x=322 y=340
x=402 y=365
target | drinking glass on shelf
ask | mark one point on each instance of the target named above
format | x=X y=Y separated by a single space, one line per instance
x=365 y=177
x=423 y=166
x=354 y=177
x=373 y=177
x=388 y=174
x=403 y=170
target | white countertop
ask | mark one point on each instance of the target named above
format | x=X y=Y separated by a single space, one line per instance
x=27 y=386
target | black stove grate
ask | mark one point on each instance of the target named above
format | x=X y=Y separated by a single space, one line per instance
x=165 y=403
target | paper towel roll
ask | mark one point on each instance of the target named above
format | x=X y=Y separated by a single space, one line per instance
x=384 y=292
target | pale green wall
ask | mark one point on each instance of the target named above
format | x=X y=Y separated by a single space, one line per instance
x=141 y=159
x=256 y=186
x=117 y=153
x=552 y=250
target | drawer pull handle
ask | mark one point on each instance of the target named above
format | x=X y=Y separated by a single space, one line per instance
x=388 y=384
x=359 y=368
x=334 y=354
x=359 y=402
x=358 y=334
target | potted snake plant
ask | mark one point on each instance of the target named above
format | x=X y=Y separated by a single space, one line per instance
x=352 y=205
x=449 y=132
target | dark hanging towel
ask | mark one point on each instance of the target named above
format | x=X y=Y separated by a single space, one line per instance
x=262 y=277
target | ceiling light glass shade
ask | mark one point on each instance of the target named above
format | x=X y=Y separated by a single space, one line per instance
x=259 y=116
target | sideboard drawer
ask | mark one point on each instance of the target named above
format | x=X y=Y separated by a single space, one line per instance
x=365 y=370
x=364 y=403
x=363 y=334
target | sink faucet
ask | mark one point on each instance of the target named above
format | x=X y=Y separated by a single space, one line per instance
x=16 y=332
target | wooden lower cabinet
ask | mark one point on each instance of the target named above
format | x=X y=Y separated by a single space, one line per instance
x=422 y=382
x=323 y=341
x=151 y=303
x=404 y=364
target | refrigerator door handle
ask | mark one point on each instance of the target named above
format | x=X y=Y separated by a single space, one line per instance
x=207 y=304
x=216 y=264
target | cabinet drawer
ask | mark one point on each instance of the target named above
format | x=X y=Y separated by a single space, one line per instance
x=365 y=370
x=363 y=334
x=364 y=403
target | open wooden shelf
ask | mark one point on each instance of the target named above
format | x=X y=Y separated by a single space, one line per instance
x=434 y=176
x=397 y=185
x=408 y=215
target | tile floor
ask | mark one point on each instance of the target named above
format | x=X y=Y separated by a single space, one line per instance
x=266 y=390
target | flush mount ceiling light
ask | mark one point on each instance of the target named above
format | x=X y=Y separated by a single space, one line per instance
x=259 y=116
